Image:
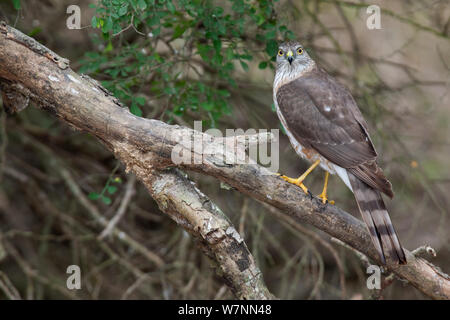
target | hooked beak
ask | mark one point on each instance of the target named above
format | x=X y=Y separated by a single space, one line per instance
x=290 y=56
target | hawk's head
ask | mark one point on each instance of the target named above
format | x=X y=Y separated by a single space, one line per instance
x=292 y=57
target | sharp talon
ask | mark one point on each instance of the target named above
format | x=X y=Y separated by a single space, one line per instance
x=325 y=199
x=305 y=189
x=310 y=194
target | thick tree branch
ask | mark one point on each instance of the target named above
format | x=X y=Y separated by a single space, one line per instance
x=146 y=146
x=216 y=236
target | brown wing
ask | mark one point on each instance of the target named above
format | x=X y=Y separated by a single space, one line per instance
x=322 y=114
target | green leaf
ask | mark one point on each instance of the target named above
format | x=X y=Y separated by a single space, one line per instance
x=224 y=93
x=217 y=44
x=123 y=10
x=229 y=53
x=208 y=106
x=16 y=4
x=271 y=34
x=140 y=100
x=218 y=11
x=93 y=196
x=108 y=25
x=201 y=87
x=179 y=30
x=203 y=50
x=134 y=109
x=108 y=48
x=171 y=7
x=244 y=65
x=94 y=22
x=112 y=189
x=271 y=47
x=289 y=35
x=35 y=31
x=106 y=200
x=246 y=57
x=142 y=4
x=262 y=65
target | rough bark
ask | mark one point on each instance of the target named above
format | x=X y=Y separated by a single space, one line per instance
x=215 y=235
x=146 y=145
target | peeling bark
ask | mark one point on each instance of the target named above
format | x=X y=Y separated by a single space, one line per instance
x=216 y=236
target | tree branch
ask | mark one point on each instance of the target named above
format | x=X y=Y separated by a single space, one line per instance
x=146 y=146
x=190 y=208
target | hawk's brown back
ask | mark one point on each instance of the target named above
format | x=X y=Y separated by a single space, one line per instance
x=322 y=114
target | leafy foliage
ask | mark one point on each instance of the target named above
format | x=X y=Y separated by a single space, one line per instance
x=138 y=57
x=16 y=4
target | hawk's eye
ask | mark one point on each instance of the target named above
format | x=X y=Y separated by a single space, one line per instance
x=299 y=50
x=280 y=53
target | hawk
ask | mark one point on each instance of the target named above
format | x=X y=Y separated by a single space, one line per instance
x=326 y=127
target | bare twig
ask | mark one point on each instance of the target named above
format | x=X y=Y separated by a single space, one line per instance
x=131 y=25
x=8 y=288
x=43 y=205
x=315 y=237
x=32 y=273
x=394 y=15
x=93 y=211
x=424 y=249
x=129 y=192
x=359 y=254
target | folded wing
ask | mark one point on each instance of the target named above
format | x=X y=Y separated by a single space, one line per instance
x=322 y=114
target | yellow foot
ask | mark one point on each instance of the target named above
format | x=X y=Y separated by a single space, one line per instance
x=324 y=198
x=323 y=195
x=298 y=182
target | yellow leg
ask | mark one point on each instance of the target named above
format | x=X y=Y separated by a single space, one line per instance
x=299 y=180
x=323 y=195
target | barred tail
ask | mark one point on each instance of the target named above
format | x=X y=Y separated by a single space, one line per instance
x=376 y=217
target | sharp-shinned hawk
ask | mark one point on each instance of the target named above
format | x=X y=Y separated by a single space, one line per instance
x=325 y=126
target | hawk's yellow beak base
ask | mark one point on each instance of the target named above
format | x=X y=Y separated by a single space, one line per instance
x=290 y=56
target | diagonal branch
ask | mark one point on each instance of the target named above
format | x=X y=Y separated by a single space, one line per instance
x=216 y=236
x=146 y=147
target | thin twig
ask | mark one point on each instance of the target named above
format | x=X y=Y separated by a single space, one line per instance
x=129 y=192
x=424 y=249
x=92 y=210
x=8 y=288
x=315 y=237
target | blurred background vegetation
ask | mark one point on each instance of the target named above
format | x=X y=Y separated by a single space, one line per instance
x=187 y=60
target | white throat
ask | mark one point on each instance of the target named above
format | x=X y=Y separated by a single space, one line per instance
x=285 y=74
